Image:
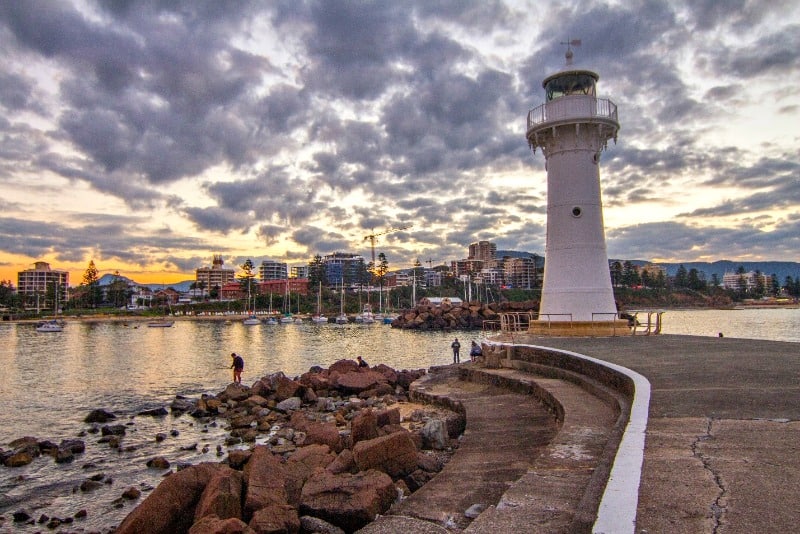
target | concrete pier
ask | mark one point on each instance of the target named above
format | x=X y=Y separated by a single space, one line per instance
x=720 y=453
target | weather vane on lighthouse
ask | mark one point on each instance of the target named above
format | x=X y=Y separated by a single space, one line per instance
x=570 y=43
x=572 y=128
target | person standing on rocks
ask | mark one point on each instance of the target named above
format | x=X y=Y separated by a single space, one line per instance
x=456 y=346
x=475 y=351
x=238 y=367
x=361 y=362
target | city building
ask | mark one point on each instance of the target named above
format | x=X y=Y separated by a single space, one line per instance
x=40 y=285
x=299 y=271
x=214 y=276
x=342 y=267
x=519 y=272
x=745 y=281
x=484 y=251
x=273 y=270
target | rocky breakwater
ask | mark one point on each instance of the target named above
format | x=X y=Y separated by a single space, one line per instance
x=463 y=316
x=324 y=452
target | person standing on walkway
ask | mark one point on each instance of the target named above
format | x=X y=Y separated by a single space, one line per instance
x=456 y=346
x=238 y=367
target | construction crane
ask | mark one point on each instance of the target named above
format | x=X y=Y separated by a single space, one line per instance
x=374 y=235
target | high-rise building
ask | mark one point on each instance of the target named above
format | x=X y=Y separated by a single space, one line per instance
x=40 y=285
x=342 y=267
x=273 y=270
x=216 y=276
x=485 y=251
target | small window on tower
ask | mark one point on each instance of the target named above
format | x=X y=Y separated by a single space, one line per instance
x=576 y=212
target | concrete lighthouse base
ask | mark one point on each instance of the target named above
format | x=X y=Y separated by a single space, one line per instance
x=579 y=328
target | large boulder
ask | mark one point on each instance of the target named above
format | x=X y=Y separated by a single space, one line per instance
x=171 y=506
x=359 y=380
x=394 y=454
x=348 y=501
x=364 y=426
x=301 y=465
x=222 y=496
x=324 y=434
x=286 y=388
x=265 y=478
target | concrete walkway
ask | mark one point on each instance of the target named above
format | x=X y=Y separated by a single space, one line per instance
x=721 y=453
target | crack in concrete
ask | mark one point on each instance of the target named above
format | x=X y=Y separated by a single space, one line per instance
x=718 y=506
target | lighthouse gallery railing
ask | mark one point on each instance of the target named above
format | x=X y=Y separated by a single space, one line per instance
x=572 y=107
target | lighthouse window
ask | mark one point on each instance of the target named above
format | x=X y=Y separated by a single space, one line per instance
x=570 y=84
x=576 y=211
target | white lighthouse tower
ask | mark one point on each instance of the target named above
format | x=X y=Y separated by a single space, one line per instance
x=572 y=128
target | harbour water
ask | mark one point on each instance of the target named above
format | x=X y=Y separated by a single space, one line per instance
x=52 y=381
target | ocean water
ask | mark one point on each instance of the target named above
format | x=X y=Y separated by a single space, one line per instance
x=50 y=382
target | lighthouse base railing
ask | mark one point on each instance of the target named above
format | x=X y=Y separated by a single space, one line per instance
x=518 y=325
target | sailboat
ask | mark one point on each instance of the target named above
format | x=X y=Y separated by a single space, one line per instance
x=162 y=322
x=271 y=320
x=342 y=317
x=318 y=317
x=251 y=319
x=53 y=325
x=287 y=306
x=298 y=319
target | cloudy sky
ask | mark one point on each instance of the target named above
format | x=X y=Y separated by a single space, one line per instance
x=149 y=135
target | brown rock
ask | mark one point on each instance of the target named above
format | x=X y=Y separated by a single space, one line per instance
x=358 y=381
x=236 y=392
x=264 y=477
x=301 y=465
x=276 y=519
x=131 y=493
x=364 y=426
x=344 y=463
x=214 y=525
x=170 y=507
x=394 y=454
x=238 y=457
x=222 y=496
x=159 y=462
x=388 y=373
x=19 y=459
x=348 y=501
x=343 y=367
x=286 y=388
x=299 y=420
x=324 y=434
x=388 y=417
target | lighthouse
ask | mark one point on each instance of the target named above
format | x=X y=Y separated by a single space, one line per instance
x=573 y=128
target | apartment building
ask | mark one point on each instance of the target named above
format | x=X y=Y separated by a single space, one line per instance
x=39 y=285
x=216 y=275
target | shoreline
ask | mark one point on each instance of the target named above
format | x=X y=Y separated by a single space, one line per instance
x=103 y=318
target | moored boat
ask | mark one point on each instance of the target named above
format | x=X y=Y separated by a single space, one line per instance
x=49 y=326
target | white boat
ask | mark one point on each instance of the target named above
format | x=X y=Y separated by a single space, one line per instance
x=271 y=321
x=342 y=317
x=251 y=320
x=160 y=323
x=318 y=317
x=287 y=319
x=49 y=326
x=298 y=320
x=366 y=316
